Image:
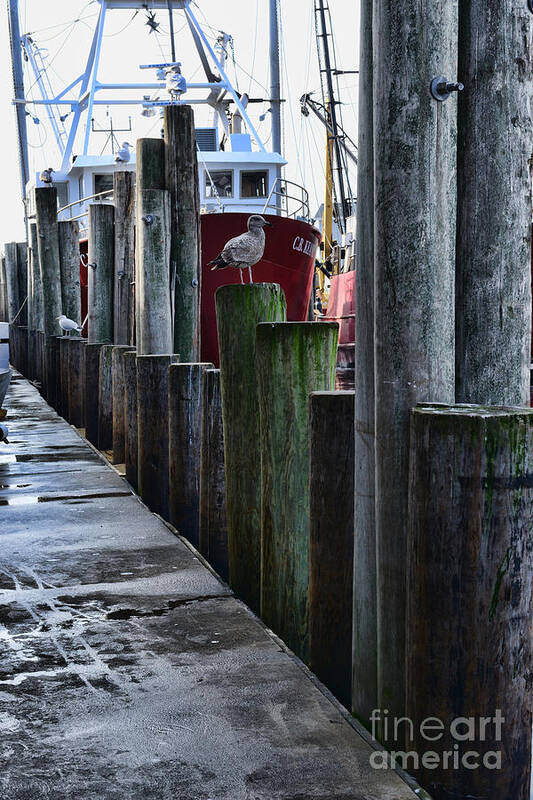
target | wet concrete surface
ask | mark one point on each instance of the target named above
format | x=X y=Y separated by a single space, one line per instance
x=127 y=669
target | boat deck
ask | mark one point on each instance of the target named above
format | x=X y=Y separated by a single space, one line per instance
x=128 y=669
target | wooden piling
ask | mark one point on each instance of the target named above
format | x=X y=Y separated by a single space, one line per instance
x=124 y=292
x=100 y=272
x=129 y=363
x=239 y=309
x=22 y=276
x=76 y=394
x=293 y=360
x=364 y=690
x=117 y=381
x=153 y=272
x=4 y=314
x=184 y=442
x=105 y=399
x=92 y=376
x=12 y=284
x=48 y=247
x=493 y=282
x=152 y=416
x=51 y=369
x=414 y=262
x=181 y=165
x=470 y=595
x=35 y=321
x=213 y=530
x=69 y=262
x=331 y=546
x=63 y=377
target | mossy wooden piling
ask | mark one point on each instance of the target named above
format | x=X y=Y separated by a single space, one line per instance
x=181 y=164
x=12 y=284
x=69 y=262
x=124 y=288
x=331 y=546
x=76 y=393
x=470 y=595
x=129 y=363
x=213 y=529
x=239 y=309
x=152 y=416
x=22 y=276
x=185 y=405
x=35 y=306
x=364 y=690
x=105 y=399
x=101 y=272
x=493 y=281
x=48 y=247
x=92 y=377
x=414 y=262
x=293 y=360
x=119 y=416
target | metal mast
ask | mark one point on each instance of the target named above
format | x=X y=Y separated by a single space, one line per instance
x=275 y=82
x=18 y=86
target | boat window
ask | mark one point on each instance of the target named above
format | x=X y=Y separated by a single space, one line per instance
x=103 y=183
x=221 y=183
x=254 y=184
x=62 y=193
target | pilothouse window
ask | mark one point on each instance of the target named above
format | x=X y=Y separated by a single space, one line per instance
x=103 y=183
x=254 y=184
x=221 y=184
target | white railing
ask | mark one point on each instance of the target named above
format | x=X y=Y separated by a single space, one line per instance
x=81 y=201
x=280 y=199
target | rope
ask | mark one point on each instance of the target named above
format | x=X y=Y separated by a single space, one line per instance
x=214 y=188
x=18 y=312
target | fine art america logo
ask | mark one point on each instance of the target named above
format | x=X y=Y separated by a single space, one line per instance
x=463 y=742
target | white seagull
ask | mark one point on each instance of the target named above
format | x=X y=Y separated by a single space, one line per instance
x=175 y=82
x=46 y=175
x=67 y=324
x=123 y=155
x=245 y=250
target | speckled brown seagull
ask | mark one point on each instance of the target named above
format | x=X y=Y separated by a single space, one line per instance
x=245 y=250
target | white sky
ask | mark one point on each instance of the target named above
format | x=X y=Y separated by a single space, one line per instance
x=246 y=20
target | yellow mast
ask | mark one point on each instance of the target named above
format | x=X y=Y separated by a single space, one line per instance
x=327 y=220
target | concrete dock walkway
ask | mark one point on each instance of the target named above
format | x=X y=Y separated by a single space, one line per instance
x=127 y=669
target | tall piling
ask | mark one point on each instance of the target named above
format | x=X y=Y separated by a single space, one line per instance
x=119 y=415
x=105 y=398
x=414 y=252
x=3 y=291
x=293 y=360
x=131 y=443
x=92 y=376
x=69 y=263
x=185 y=406
x=470 y=597
x=12 y=284
x=152 y=416
x=22 y=276
x=239 y=309
x=61 y=405
x=100 y=273
x=331 y=549
x=181 y=163
x=124 y=289
x=364 y=689
x=76 y=394
x=48 y=247
x=35 y=322
x=493 y=291
x=213 y=529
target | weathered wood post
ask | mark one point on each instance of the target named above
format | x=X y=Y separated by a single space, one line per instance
x=124 y=293
x=69 y=262
x=76 y=394
x=129 y=361
x=181 y=164
x=3 y=290
x=22 y=275
x=213 y=529
x=364 y=689
x=61 y=405
x=48 y=246
x=35 y=309
x=119 y=411
x=100 y=273
x=185 y=405
x=331 y=540
x=152 y=260
x=239 y=309
x=105 y=399
x=470 y=596
x=414 y=236
x=493 y=291
x=293 y=360
x=152 y=417
x=12 y=284
x=92 y=377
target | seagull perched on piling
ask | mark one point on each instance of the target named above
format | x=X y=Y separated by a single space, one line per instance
x=67 y=324
x=123 y=154
x=245 y=250
x=176 y=84
x=46 y=175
